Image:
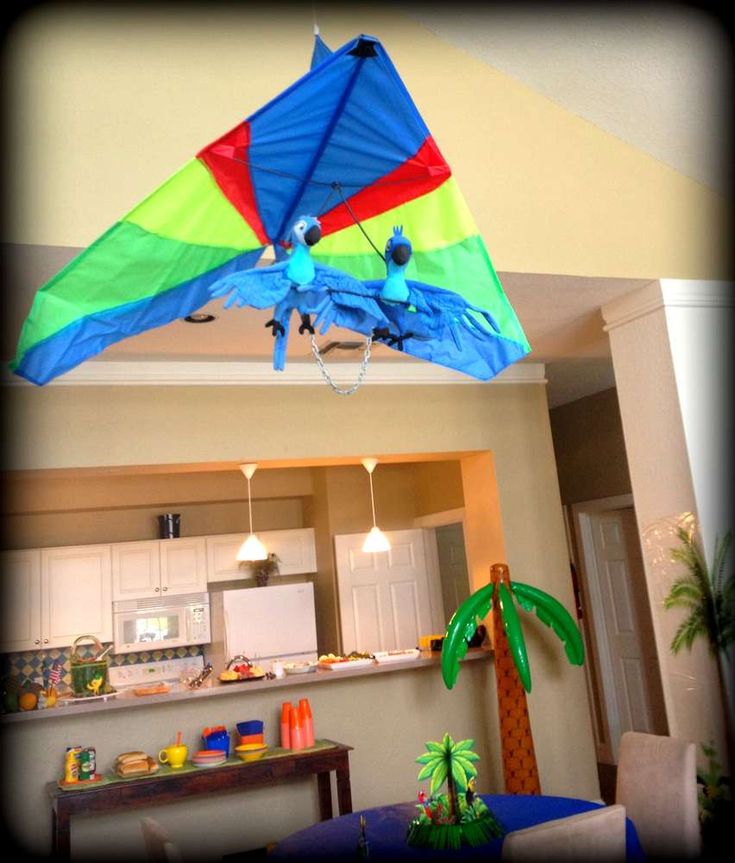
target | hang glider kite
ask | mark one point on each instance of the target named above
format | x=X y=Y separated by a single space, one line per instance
x=345 y=144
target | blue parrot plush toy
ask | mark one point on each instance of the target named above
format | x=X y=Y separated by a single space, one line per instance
x=298 y=282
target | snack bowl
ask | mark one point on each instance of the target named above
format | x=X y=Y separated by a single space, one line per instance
x=250 y=751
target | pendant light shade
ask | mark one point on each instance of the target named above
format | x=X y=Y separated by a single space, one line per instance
x=252 y=548
x=376 y=540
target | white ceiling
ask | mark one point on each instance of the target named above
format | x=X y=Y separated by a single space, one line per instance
x=654 y=78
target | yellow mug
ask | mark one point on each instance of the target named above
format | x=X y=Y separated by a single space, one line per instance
x=174 y=756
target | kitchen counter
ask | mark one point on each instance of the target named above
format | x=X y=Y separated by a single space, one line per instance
x=386 y=713
x=126 y=700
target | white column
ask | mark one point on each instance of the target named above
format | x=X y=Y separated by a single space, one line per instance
x=669 y=344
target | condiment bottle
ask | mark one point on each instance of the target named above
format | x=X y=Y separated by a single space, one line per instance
x=307 y=721
x=286 y=725
x=296 y=732
x=71 y=764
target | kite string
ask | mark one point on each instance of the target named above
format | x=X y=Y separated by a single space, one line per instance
x=338 y=187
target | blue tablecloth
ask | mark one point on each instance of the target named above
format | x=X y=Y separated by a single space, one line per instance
x=386 y=828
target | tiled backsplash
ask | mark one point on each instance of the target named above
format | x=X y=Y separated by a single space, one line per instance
x=38 y=663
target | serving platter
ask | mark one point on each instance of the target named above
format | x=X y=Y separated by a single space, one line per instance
x=396 y=655
x=245 y=679
x=344 y=664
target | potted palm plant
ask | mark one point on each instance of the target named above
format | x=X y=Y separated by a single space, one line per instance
x=708 y=597
x=262 y=569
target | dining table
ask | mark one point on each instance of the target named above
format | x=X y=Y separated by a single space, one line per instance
x=386 y=828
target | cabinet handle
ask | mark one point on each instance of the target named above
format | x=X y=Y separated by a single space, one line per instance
x=157 y=589
x=45 y=641
x=165 y=588
x=37 y=641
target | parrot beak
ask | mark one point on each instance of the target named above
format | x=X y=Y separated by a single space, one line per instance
x=313 y=235
x=401 y=254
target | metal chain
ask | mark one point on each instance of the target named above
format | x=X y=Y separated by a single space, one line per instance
x=328 y=378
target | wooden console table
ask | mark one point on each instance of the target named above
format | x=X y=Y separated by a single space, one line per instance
x=173 y=785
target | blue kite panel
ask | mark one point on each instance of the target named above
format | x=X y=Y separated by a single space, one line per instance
x=346 y=121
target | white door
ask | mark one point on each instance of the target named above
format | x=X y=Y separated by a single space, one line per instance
x=455 y=580
x=76 y=594
x=183 y=565
x=385 y=597
x=20 y=610
x=618 y=593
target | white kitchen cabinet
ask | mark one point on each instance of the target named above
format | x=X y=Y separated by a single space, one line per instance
x=54 y=595
x=152 y=568
x=20 y=610
x=295 y=548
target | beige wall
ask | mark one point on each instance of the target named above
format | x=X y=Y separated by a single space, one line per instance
x=414 y=707
x=135 y=426
x=590 y=448
x=550 y=191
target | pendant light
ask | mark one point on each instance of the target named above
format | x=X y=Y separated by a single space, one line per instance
x=376 y=540
x=252 y=548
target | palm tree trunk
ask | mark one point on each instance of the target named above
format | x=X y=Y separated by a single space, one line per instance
x=520 y=770
x=452 y=797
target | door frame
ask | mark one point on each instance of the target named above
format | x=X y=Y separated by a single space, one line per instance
x=582 y=514
x=429 y=523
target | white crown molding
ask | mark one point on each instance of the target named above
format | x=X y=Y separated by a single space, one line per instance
x=666 y=293
x=227 y=373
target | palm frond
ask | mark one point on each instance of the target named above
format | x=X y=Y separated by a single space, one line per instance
x=684 y=593
x=718 y=565
x=689 y=630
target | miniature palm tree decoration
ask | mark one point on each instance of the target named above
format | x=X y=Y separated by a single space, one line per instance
x=512 y=672
x=448 y=820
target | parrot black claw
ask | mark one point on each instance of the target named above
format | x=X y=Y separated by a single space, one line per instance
x=277 y=327
x=381 y=333
x=399 y=340
x=306 y=325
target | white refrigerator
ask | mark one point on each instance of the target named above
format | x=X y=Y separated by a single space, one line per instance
x=269 y=623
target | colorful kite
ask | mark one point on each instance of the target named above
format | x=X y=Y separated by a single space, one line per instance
x=346 y=144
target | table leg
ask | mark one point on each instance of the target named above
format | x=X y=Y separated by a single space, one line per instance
x=344 y=790
x=324 y=785
x=60 y=834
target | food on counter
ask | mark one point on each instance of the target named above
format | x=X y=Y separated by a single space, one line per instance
x=152 y=689
x=354 y=656
x=355 y=659
x=27 y=700
x=242 y=671
x=135 y=763
x=299 y=667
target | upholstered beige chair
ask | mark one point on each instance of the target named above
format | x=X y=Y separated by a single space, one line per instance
x=158 y=842
x=657 y=784
x=597 y=835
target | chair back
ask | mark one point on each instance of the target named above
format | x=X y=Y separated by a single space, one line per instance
x=158 y=842
x=597 y=835
x=657 y=784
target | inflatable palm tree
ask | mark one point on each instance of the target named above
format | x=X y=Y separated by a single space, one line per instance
x=512 y=673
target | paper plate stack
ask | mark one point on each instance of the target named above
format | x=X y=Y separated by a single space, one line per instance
x=209 y=757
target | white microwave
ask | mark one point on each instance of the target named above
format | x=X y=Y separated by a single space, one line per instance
x=155 y=624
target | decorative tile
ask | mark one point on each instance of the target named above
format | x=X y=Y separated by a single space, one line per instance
x=34 y=664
